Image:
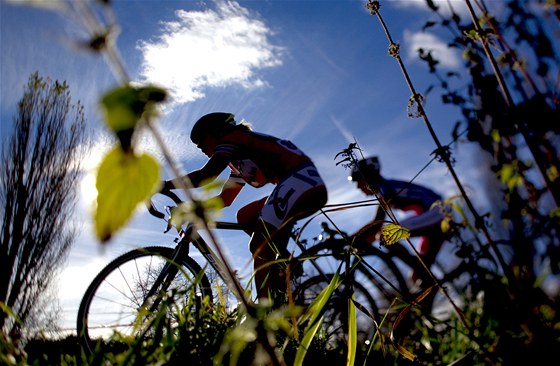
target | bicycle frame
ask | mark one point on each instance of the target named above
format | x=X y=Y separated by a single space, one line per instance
x=182 y=250
x=192 y=236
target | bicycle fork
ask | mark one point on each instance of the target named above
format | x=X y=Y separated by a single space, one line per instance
x=165 y=277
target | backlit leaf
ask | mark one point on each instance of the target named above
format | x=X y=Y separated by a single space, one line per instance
x=445 y=225
x=509 y=176
x=205 y=209
x=495 y=134
x=392 y=233
x=352 y=332
x=124 y=106
x=552 y=173
x=124 y=180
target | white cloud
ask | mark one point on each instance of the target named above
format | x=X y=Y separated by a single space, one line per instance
x=447 y=57
x=211 y=48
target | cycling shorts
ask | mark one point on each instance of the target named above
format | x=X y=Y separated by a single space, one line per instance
x=426 y=220
x=277 y=208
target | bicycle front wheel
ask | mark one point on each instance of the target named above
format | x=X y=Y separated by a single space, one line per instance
x=117 y=301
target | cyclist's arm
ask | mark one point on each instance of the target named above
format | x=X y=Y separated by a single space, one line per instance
x=215 y=165
x=231 y=189
x=369 y=232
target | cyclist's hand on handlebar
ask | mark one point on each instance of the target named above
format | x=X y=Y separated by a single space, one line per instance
x=152 y=210
x=166 y=186
x=166 y=191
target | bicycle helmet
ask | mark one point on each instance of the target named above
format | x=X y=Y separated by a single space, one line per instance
x=210 y=123
x=367 y=168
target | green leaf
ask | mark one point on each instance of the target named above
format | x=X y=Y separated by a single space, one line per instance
x=121 y=109
x=392 y=233
x=124 y=180
x=124 y=106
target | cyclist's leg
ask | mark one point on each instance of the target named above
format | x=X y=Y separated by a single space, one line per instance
x=427 y=227
x=268 y=244
x=309 y=202
x=249 y=214
x=295 y=197
x=423 y=224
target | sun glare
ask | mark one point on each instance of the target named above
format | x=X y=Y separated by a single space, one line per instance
x=88 y=192
x=87 y=188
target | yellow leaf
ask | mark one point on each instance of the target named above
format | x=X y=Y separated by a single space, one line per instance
x=508 y=175
x=555 y=213
x=124 y=180
x=552 y=173
x=445 y=225
x=392 y=233
x=495 y=134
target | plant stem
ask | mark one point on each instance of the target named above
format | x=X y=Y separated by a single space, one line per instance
x=373 y=6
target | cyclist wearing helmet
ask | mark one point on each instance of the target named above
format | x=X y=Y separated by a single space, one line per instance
x=257 y=159
x=404 y=196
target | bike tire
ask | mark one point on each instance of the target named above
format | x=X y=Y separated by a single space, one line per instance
x=112 y=301
x=335 y=313
x=383 y=278
x=376 y=273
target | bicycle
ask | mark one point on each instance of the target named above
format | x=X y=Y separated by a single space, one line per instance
x=130 y=290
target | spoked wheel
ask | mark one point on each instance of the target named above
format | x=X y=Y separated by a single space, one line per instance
x=383 y=280
x=336 y=312
x=122 y=302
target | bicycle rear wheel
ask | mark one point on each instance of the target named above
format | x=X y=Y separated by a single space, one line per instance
x=382 y=278
x=374 y=269
x=117 y=300
x=336 y=316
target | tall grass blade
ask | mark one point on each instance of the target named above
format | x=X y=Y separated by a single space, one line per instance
x=315 y=315
x=403 y=351
x=352 y=332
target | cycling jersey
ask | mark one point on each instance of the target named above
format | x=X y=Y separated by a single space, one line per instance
x=258 y=158
x=401 y=194
x=424 y=225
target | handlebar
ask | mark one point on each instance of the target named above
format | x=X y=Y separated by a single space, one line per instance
x=160 y=215
x=155 y=212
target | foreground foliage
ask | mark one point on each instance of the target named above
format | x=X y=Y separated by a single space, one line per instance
x=504 y=315
x=217 y=336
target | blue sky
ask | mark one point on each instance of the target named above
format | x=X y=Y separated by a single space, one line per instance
x=316 y=72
